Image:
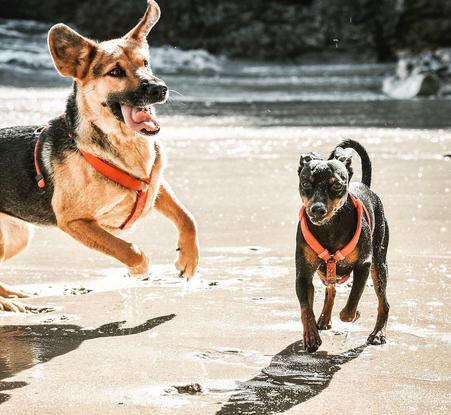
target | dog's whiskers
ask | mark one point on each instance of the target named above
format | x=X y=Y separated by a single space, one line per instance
x=176 y=92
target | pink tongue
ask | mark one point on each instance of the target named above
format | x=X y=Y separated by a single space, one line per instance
x=138 y=120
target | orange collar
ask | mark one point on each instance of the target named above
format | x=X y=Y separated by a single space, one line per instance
x=115 y=174
x=341 y=254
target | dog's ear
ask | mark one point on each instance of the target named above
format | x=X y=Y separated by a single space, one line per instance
x=72 y=53
x=145 y=25
x=307 y=158
x=345 y=156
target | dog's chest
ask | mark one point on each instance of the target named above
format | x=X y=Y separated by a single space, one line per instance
x=343 y=268
x=81 y=192
x=114 y=212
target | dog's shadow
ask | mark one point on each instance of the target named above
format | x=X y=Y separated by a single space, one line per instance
x=292 y=377
x=22 y=347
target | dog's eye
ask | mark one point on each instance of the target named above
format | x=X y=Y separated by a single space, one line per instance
x=146 y=63
x=306 y=185
x=117 y=73
x=336 y=187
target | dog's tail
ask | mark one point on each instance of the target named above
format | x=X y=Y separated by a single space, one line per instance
x=365 y=159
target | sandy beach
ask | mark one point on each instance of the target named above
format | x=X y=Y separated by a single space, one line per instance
x=235 y=330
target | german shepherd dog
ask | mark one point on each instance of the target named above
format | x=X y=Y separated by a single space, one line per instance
x=48 y=176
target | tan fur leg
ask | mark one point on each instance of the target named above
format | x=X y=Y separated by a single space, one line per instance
x=89 y=233
x=8 y=292
x=325 y=321
x=168 y=205
x=15 y=236
x=15 y=306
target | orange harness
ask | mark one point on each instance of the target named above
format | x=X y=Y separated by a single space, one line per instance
x=115 y=174
x=331 y=259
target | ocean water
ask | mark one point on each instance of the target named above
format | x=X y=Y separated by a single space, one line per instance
x=241 y=93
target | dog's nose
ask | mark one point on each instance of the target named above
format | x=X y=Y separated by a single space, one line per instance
x=156 y=92
x=318 y=209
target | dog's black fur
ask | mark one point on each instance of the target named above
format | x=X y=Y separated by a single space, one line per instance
x=21 y=197
x=335 y=229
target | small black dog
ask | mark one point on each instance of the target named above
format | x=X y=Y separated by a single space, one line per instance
x=342 y=229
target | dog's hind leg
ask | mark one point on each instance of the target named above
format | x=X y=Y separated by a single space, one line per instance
x=379 y=274
x=349 y=312
x=325 y=321
x=15 y=236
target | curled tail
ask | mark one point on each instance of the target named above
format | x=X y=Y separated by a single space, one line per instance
x=365 y=159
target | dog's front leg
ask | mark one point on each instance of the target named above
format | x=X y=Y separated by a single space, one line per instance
x=306 y=264
x=305 y=291
x=325 y=321
x=188 y=246
x=89 y=233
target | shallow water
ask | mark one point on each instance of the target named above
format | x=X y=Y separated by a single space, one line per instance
x=221 y=91
x=233 y=140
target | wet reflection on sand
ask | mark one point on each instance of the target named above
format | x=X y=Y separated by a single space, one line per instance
x=293 y=377
x=23 y=347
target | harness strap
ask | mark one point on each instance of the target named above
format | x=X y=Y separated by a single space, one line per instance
x=39 y=177
x=331 y=259
x=115 y=174
x=340 y=281
x=140 y=204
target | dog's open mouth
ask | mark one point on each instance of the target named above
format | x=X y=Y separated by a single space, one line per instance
x=140 y=119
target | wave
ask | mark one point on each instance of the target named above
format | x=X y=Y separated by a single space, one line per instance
x=23 y=48
x=169 y=59
x=198 y=76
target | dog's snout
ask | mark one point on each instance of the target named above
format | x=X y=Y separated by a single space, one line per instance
x=157 y=92
x=318 y=209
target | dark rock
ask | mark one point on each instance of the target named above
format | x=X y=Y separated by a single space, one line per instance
x=191 y=389
x=425 y=74
x=262 y=29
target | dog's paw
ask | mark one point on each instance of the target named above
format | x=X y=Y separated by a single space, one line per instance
x=140 y=270
x=323 y=323
x=312 y=340
x=15 y=306
x=187 y=259
x=377 y=338
x=349 y=317
x=7 y=292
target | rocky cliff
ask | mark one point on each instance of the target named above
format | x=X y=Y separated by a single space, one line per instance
x=263 y=29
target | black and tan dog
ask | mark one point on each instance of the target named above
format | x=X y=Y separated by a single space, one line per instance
x=342 y=229
x=97 y=168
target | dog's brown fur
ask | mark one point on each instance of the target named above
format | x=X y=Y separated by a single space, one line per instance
x=88 y=207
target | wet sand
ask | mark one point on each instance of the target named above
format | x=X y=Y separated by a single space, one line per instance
x=235 y=330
